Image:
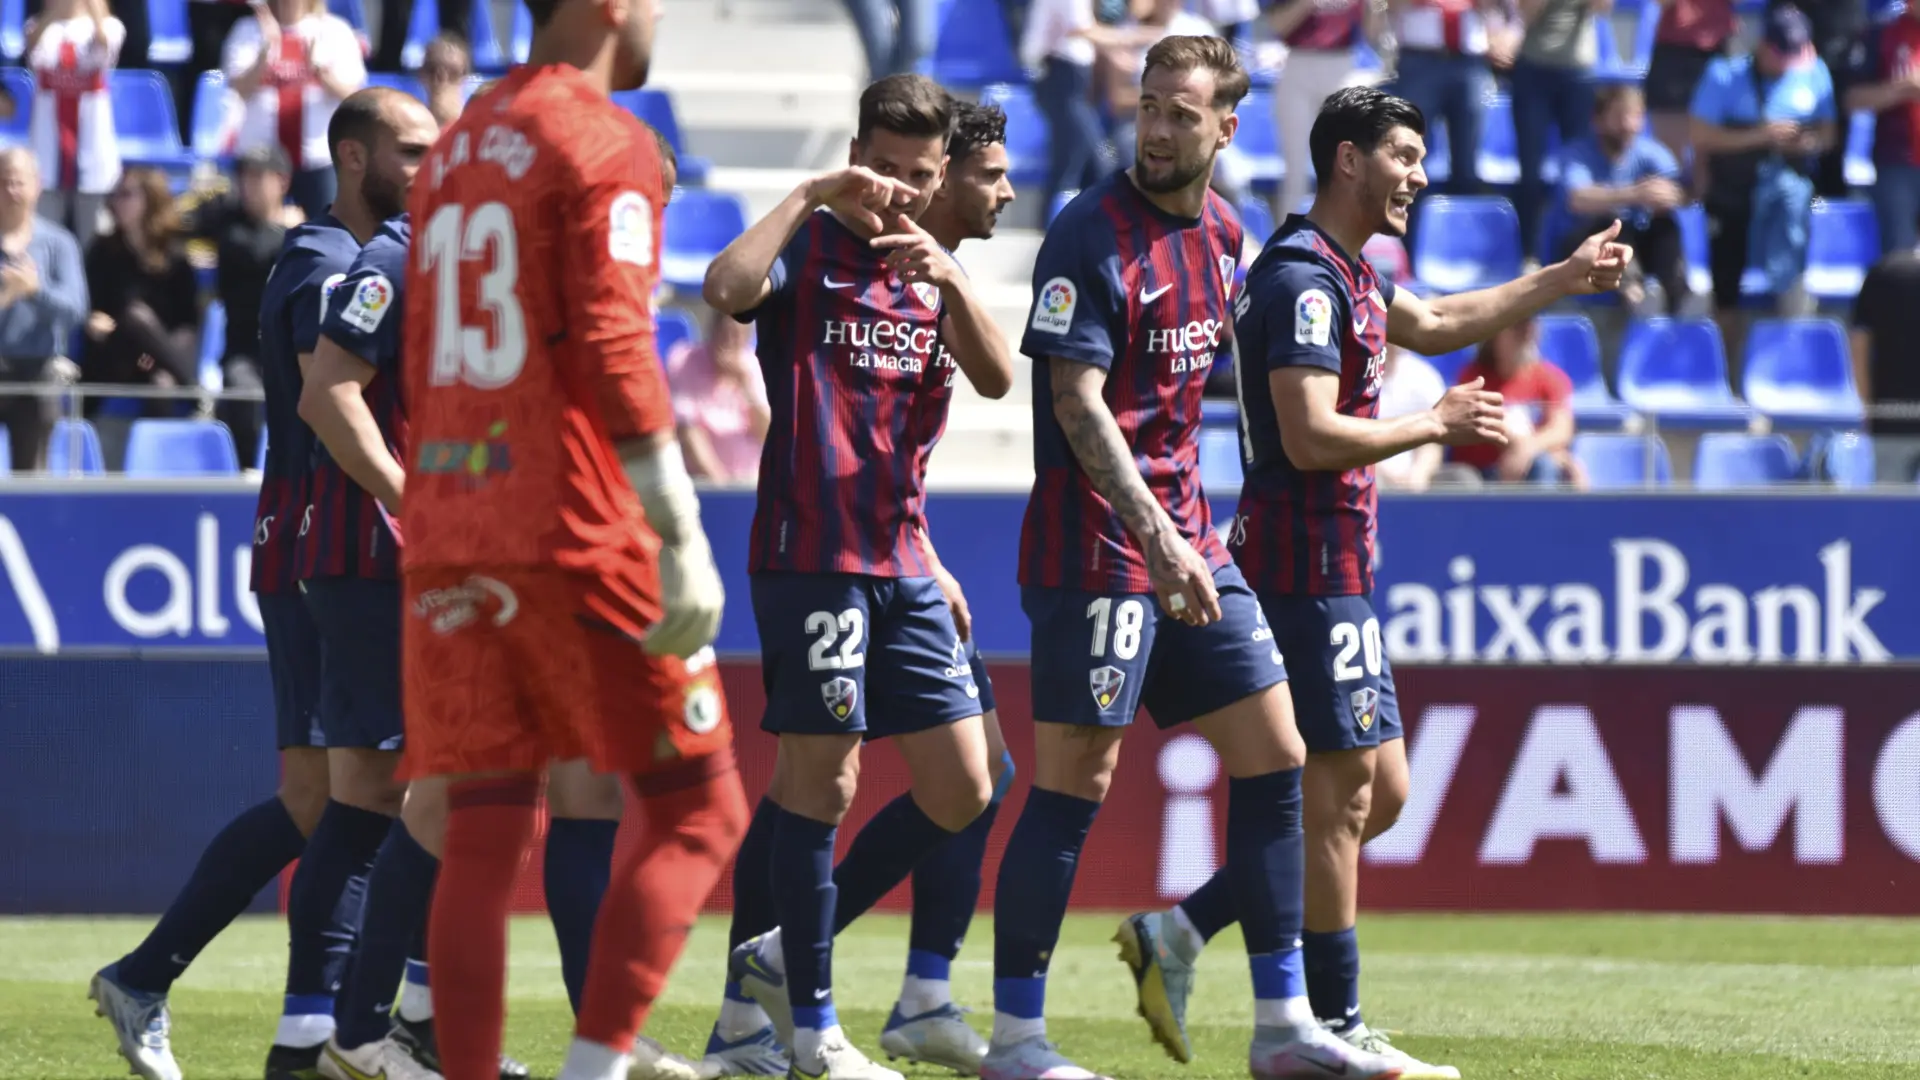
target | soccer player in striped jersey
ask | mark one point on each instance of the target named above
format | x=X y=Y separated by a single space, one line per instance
x=1311 y=335
x=258 y=845
x=864 y=321
x=1132 y=596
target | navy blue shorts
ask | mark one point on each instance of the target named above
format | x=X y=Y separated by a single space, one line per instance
x=1097 y=657
x=980 y=677
x=359 y=624
x=1390 y=726
x=831 y=645
x=293 y=658
x=1339 y=668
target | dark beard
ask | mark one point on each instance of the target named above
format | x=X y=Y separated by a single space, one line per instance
x=382 y=197
x=1182 y=176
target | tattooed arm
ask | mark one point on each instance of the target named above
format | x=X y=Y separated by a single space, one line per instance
x=1180 y=576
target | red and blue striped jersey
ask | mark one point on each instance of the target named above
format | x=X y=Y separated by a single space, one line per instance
x=314 y=258
x=1308 y=303
x=346 y=532
x=1147 y=296
x=859 y=386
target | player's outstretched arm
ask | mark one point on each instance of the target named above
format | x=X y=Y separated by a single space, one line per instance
x=332 y=405
x=1463 y=319
x=1317 y=436
x=689 y=582
x=737 y=279
x=1181 y=577
x=966 y=328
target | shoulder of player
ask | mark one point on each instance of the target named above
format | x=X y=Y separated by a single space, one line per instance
x=1291 y=269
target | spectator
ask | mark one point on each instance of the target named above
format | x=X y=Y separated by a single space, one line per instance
x=133 y=15
x=1888 y=84
x=1691 y=34
x=1621 y=172
x=897 y=35
x=720 y=402
x=246 y=228
x=43 y=296
x=1539 y=402
x=443 y=74
x=72 y=48
x=1409 y=385
x=1445 y=48
x=1321 y=36
x=145 y=326
x=1552 y=91
x=1761 y=122
x=1058 y=49
x=1886 y=361
x=1839 y=29
x=291 y=64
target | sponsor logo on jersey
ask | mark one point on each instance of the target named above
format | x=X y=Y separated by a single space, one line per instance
x=456 y=606
x=1312 y=318
x=1053 y=308
x=1105 y=682
x=474 y=459
x=630 y=229
x=1365 y=703
x=840 y=695
x=369 y=304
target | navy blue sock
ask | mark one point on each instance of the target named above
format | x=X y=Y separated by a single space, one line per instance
x=886 y=850
x=1333 y=976
x=399 y=895
x=242 y=859
x=804 y=896
x=946 y=886
x=579 y=861
x=1267 y=865
x=324 y=903
x=1210 y=907
x=1030 y=897
x=753 y=912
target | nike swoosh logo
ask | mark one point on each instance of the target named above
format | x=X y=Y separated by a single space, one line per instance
x=1149 y=297
x=353 y=1073
x=832 y=284
x=1360 y=324
x=762 y=971
x=175 y=958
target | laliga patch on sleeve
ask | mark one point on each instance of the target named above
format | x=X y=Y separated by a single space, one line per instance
x=369 y=303
x=1053 y=306
x=630 y=229
x=326 y=292
x=1312 y=318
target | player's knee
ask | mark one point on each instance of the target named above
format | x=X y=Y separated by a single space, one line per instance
x=425 y=814
x=956 y=800
x=364 y=779
x=303 y=786
x=823 y=792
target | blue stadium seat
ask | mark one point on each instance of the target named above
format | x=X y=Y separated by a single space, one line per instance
x=1257 y=219
x=145 y=122
x=488 y=54
x=19 y=84
x=1258 y=140
x=406 y=84
x=1439 y=160
x=656 y=108
x=1841 y=458
x=1616 y=461
x=520 y=33
x=674 y=325
x=1026 y=132
x=355 y=14
x=1060 y=201
x=1676 y=369
x=1844 y=244
x=699 y=223
x=1469 y=242
x=1499 y=157
x=1570 y=343
x=213 y=347
x=1219 y=458
x=1692 y=219
x=74 y=447
x=171 y=42
x=6 y=451
x=13 y=28
x=1636 y=23
x=180 y=448
x=424 y=25
x=1859 y=161
x=210 y=104
x=1726 y=459
x=1800 y=371
x=973 y=51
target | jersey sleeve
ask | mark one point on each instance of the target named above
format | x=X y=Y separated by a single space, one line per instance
x=1710 y=97
x=783 y=275
x=363 y=311
x=1294 y=316
x=1079 y=303
x=610 y=260
x=1576 y=168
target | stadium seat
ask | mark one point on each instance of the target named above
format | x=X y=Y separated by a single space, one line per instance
x=1466 y=242
x=18 y=130
x=406 y=84
x=1841 y=458
x=260 y=455
x=13 y=28
x=1259 y=141
x=145 y=122
x=1439 y=160
x=973 y=51
x=1636 y=24
x=1499 y=156
x=1676 y=369
x=6 y=451
x=656 y=108
x=699 y=223
x=675 y=325
x=213 y=347
x=1726 y=459
x=483 y=41
x=1859 y=161
x=520 y=33
x=1257 y=220
x=1570 y=343
x=74 y=447
x=1060 y=201
x=180 y=448
x=171 y=42
x=1026 y=132
x=1800 y=372
x=1219 y=458
x=355 y=14
x=1615 y=461
x=1844 y=244
x=212 y=118
x=1693 y=246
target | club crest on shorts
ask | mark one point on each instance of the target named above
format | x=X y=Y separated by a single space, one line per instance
x=840 y=694
x=1105 y=682
x=1366 y=703
x=702 y=708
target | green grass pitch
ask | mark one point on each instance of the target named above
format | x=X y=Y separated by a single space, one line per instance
x=1599 y=997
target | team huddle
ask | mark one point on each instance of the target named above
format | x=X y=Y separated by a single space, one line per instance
x=483 y=577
